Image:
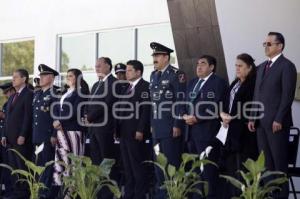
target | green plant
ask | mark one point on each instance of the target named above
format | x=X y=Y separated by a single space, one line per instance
x=181 y=182
x=252 y=186
x=85 y=179
x=32 y=175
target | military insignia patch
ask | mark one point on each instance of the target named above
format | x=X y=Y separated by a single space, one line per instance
x=182 y=78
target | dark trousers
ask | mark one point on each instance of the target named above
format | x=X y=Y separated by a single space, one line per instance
x=133 y=155
x=101 y=147
x=210 y=173
x=231 y=162
x=5 y=173
x=20 y=189
x=43 y=157
x=275 y=148
x=172 y=148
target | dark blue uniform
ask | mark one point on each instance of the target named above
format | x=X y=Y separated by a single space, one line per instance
x=42 y=132
x=42 y=120
x=5 y=174
x=165 y=90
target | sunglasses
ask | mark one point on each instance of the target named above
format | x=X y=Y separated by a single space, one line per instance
x=265 y=44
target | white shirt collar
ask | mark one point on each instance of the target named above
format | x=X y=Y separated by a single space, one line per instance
x=20 y=90
x=274 y=59
x=106 y=77
x=135 y=82
x=206 y=78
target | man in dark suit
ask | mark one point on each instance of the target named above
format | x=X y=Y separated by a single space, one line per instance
x=204 y=95
x=275 y=89
x=167 y=87
x=134 y=130
x=18 y=121
x=42 y=128
x=100 y=117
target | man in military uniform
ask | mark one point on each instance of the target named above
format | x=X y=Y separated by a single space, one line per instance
x=120 y=71
x=43 y=132
x=8 y=90
x=36 y=81
x=167 y=86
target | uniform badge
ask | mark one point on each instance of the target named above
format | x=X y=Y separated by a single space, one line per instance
x=182 y=78
x=164 y=82
x=47 y=98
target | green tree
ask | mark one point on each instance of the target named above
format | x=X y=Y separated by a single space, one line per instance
x=64 y=66
x=17 y=55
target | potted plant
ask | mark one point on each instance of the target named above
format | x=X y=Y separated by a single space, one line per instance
x=252 y=186
x=86 y=180
x=32 y=174
x=182 y=181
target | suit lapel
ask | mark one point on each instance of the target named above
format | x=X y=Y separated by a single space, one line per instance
x=11 y=107
x=205 y=86
x=271 y=70
x=191 y=88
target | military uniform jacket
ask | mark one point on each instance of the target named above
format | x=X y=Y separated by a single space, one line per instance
x=165 y=91
x=2 y=121
x=42 y=120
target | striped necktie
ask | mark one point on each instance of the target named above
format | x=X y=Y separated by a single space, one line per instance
x=196 y=89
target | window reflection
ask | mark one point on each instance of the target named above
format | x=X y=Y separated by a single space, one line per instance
x=118 y=45
x=78 y=52
x=158 y=33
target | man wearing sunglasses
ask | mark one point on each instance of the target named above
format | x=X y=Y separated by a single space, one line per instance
x=275 y=89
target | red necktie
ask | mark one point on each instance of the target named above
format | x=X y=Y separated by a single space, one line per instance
x=268 y=66
x=15 y=98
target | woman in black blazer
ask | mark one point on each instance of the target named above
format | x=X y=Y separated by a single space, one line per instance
x=240 y=144
x=68 y=114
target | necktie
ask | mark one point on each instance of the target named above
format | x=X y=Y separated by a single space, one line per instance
x=100 y=82
x=158 y=73
x=15 y=98
x=129 y=89
x=268 y=65
x=197 y=89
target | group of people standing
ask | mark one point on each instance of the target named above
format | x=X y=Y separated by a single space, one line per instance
x=168 y=112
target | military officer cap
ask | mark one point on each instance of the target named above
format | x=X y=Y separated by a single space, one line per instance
x=6 y=86
x=46 y=70
x=160 y=49
x=36 y=80
x=120 y=68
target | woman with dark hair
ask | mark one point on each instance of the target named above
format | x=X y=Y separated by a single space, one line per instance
x=240 y=143
x=68 y=114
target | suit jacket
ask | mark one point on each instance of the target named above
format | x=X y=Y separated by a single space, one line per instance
x=140 y=114
x=276 y=91
x=69 y=116
x=102 y=113
x=213 y=90
x=18 y=119
x=239 y=138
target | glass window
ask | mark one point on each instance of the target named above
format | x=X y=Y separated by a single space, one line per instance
x=118 y=45
x=89 y=76
x=158 y=33
x=17 y=55
x=78 y=52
